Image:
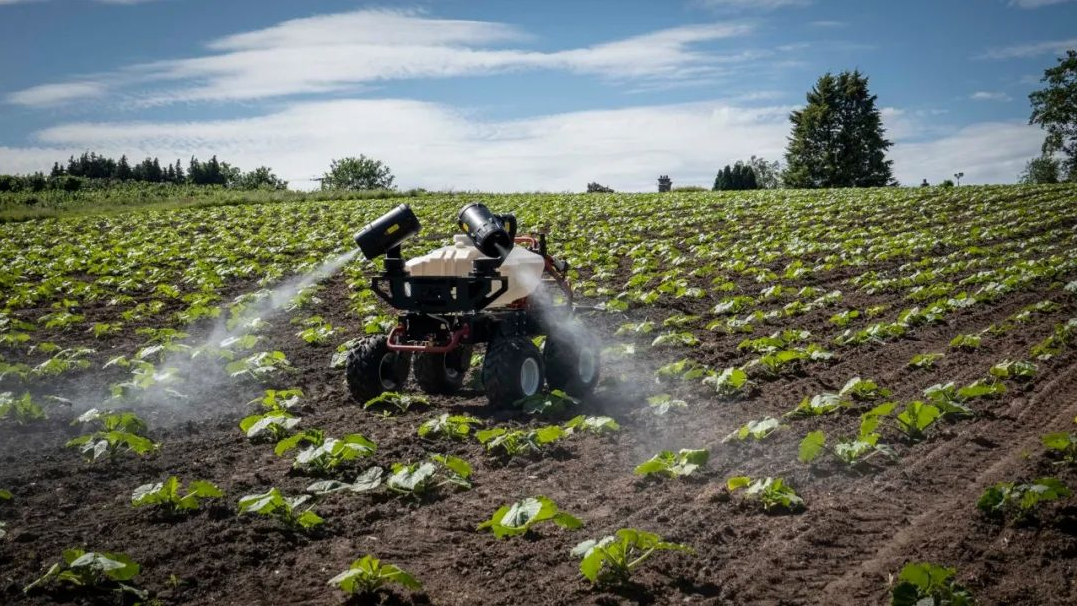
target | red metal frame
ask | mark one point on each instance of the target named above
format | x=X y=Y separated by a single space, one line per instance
x=395 y=345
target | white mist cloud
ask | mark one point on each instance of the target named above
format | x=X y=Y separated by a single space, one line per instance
x=439 y=147
x=1033 y=49
x=55 y=94
x=344 y=51
x=983 y=95
x=1035 y=3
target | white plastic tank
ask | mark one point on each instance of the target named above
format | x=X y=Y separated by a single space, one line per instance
x=522 y=267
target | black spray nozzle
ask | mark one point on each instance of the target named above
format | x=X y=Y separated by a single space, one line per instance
x=492 y=234
x=387 y=232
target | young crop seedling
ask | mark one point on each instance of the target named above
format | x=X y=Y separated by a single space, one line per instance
x=454 y=427
x=278 y=400
x=367 y=481
x=287 y=510
x=675 y=339
x=368 y=574
x=595 y=425
x=519 y=517
x=851 y=451
x=1063 y=444
x=864 y=390
x=916 y=419
x=518 y=441
x=926 y=360
x=399 y=401
x=663 y=403
x=168 y=495
x=1020 y=501
x=966 y=342
x=685 y=369
x=116 y=432
x=771 y=492
x=819 y=404
x=317 y=331
x=613 y=558
x=259 y=366
x=84 y=570
x=554 y=403
x=674 y=465
x=418 y=479
x=927 y=584
x=731 y=382
x=23 y=410
x=946 y=398
x=757 y=430
x=273 y=426
x=324 y=454
x=1018 y=371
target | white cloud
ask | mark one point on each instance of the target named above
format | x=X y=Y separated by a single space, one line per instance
x=983 y=95
x=828 y=23
x=1035 y=3
x=990 y=152
x=55 y=94
x=1034 y=49
x=349 y=50
x=439 y=147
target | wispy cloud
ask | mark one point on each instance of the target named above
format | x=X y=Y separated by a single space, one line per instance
x=983 y=95
x=56 y=94
x=347 y=50
x=1033 y=49
x=1035 y=3
x=828 y=23
x=749 y=4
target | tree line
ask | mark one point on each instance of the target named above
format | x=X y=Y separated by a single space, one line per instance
x=97 y=168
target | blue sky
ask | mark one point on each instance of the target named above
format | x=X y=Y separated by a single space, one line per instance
x=507 y=95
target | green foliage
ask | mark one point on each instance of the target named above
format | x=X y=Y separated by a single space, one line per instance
x=116 y=432
x=259 y=366
x=81 y=570
x=169 y=495
x=367 y=481
x=368 y=574
x=288 y=511
x=771 y=492
x=1020 y=501
x=454 y=427
x=1064 y=444
x=1022 y=370
x=519 y=441
x=518 y=518
x=916 y=419
x=323 y=454
x=927 y=584
x=740 y=176
x=399 y=401
x=966 y=342
x=357 y=174
x=23 y=410
x=837 y=139
x=417 y=479
x=1042 y=170
x=674 y=465
x=757 y=430
x=596 y=425
x=730 y=382
x=663 y=403
x=1054 y=108
x=612 y=559
x=554 y=403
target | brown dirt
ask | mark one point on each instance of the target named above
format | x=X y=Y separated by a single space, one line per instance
x=859 y=526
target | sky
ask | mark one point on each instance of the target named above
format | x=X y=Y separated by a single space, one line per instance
x=517 y=96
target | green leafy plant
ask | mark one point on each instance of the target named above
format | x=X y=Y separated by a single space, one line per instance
x=613 y=558
x=757 y=430
x=92 y=570
x=916 y=419
x=273 y=426
x=168 y=495
x=819 y=404
x=596 y=425
x=864 y=390
x=368 y=574
x=771 y=492
x=116 y=432
x=417 y=479
x=287 y=510
x=966 y=342
x=518 y=441
x=926 y=360
x=730 y=382
x=324 y=454
x=1020 y=501
x=260 y=365
x=399 y=401
x=455 y=427
x=674 y=465
x=927 y=584
x=1064 y=444
x=554 y=403
x=367 y=481
x=317 y=331
x=663 y=403
x=1022 y=370
x=24 y=410
x=518 y=518
x=675 y=339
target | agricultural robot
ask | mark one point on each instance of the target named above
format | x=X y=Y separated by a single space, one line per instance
x=490 y=286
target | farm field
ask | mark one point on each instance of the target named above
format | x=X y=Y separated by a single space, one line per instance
x=958 y=306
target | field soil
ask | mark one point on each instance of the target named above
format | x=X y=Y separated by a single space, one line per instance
x=859 y=526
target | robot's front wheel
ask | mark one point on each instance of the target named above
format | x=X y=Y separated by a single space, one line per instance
x=513 y=369
x=373 y=368
x=572 y=364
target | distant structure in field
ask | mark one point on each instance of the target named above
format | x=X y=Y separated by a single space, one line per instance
x=665 y=184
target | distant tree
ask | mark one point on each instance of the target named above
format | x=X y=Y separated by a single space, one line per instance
x=360 y=173
x=1054 y=108
x=767 y=174
x=740 y=176
x=123 y=169
x=837 y=139
x=180 y=177
x=946 y=183
x=925 y=184
x=598 y=188
x=259 y=178
x=57 y=170
x=1041 y=170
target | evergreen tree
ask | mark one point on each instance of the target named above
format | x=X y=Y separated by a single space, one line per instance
x=837 y=139
x=123 y=169
x=740 y=176
x=57 y=170
x=180 y=177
